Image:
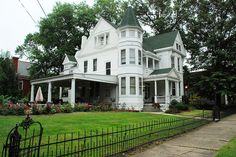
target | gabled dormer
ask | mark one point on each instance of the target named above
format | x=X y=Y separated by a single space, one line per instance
x=102 y=36
x=69 y=62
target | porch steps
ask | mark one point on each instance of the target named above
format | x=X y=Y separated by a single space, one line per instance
x=150 y=108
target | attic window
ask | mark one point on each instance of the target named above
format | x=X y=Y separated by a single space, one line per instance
x=102 y=39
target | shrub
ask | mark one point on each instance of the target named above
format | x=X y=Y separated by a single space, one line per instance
x=20 y=110
x=105 y=106
x=195 y=101
x=11 y=111
x=67 y=108
x=57 y=108
x=36 y=110
x=53 y=110
x=181 y=106
x=174 y=102
x=4 y=111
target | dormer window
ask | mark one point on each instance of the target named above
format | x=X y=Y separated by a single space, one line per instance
x=123 y=34
x=102 y=39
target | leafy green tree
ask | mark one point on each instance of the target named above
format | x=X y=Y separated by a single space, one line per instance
x=8 y=77
x=59 y=34
x=211 y=36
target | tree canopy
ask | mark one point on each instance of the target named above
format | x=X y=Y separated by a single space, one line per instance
x=8 y=77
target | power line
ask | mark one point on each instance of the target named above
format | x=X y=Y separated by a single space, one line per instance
x=27 y=11
x=41 y=7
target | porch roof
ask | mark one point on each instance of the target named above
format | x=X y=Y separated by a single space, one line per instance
x=161 y=74
x=161 y=71
x=79 y=76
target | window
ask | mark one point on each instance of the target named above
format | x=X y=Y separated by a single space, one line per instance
x=131 y=56
x=108 y=68
x=107 y=38
x=172 y=62
x=156 y=64
x=131 y=33
x=94 y=64
x=123 y=57
x=85 y=66
x=123 y=85
x=132 y=86
x=173 y=89
x=140 y=86
x=139 y=57
x=150 y=63
x=123 y=34
x=139 y=34
x=21 y=85
x=177 y=46
x=101 y=40
x=178 y=64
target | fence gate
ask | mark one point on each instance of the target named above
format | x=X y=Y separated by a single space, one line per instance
x=24 y=139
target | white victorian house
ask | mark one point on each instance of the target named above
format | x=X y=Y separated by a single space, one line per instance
x=116 y=64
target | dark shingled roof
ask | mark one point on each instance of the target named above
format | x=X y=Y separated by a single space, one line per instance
x=129 y=19
x=159 y=41
x=161 y=71
x=71 y=58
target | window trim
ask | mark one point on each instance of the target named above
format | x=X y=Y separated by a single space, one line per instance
x=139 y=57
x=132 y=85
x=86 y=66
x=123 y=56
x=123 y=85
x=140 y=86
x=132 y=56
x=108 y=69
x=95 y=65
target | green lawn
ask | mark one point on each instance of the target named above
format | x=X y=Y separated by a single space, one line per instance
x=195 y=112
x=78 y=121
x=229 y=150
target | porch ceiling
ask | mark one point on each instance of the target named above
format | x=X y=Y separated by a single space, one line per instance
x=61 y=79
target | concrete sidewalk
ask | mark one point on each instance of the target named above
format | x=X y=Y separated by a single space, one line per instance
x=201 y=142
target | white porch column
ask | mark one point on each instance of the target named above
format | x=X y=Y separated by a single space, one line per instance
x=155 y=91
x=60 y=92
x=167 y=92
x=32 y=93
x=72 y=92
x=49 y=92
x=177 y=89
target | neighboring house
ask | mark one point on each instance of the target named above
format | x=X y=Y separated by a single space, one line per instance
x=22 y=71
x=116 y=64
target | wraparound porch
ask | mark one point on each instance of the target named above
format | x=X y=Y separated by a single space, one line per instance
x=85 y=87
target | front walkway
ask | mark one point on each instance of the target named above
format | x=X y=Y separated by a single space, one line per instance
x=202 y=142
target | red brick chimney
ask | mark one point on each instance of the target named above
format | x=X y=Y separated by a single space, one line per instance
x=15 y=62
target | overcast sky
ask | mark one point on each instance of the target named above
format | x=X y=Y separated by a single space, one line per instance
x=16 y=23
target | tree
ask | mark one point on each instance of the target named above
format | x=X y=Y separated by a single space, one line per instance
x=111 y=10
x=59 y=34
x=8 y=77
x=211 y=36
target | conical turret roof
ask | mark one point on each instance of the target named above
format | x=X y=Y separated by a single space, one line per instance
x=130 y=19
